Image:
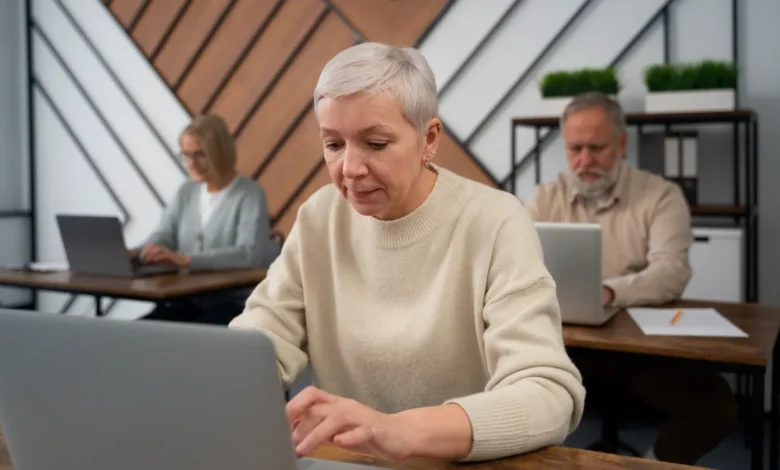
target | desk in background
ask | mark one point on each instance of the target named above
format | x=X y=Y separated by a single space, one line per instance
x=553 y=458
x=160 y=288
x=749 y=356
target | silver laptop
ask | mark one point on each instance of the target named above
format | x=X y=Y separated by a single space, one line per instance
x=572 y=254
x=96 y=394
x=95 y=245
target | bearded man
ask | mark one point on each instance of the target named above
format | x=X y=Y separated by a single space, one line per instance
x=646 y=234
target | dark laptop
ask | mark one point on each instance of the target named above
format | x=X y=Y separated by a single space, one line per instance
x=95 y=245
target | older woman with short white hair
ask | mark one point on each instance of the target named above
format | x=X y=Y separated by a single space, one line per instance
x=419 y=297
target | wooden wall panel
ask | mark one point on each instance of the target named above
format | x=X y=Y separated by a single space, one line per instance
x=452 y=156
x=125 y=10
x=188 y=37
x=152 y=25
x=256 y=62
x=225 y=47
x=397 y=22
x=286 y=221
x=251 y=79
x=291 y=94
x=295 y=159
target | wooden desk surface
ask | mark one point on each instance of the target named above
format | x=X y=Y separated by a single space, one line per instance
x=554 y=458
x=761 y=323
x=551 y=458
x=161 y=287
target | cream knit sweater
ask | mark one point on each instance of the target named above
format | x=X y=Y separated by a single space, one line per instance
x=451 y=303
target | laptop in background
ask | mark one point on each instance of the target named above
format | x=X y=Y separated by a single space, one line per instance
x=95 y=245
x=572 y=254
x=91 y=394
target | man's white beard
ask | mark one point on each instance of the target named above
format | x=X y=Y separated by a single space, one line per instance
x=600 y=187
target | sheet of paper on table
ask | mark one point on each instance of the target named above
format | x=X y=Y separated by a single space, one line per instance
x=692 y=322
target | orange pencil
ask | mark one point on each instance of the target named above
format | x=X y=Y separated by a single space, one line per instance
x=676 y=317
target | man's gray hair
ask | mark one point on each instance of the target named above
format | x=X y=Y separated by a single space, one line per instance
x=596 y=99
x=401 y=73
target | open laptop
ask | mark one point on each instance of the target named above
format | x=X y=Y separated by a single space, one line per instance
x=95 y=245
x=96 y=394
x=572 y=254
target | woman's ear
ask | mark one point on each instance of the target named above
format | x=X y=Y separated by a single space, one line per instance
x=432 y=136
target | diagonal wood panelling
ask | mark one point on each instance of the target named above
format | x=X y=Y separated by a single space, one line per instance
x=255 y=62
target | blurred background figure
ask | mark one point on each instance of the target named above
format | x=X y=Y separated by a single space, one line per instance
x=217 y=220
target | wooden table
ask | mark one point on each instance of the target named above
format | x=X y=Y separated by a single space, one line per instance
x=158 y=288
x=748 y=356
x=553 y=458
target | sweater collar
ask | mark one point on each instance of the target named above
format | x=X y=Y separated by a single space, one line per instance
x=444 y=199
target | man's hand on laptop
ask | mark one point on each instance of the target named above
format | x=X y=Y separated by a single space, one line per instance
x=318 y=418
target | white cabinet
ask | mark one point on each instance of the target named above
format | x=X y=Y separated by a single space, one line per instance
x=717 y=260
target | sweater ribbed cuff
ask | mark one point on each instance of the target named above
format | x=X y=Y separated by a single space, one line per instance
x=499 y=425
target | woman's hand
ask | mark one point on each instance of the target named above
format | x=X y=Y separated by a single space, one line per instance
x=318 y=417
x=159 y=255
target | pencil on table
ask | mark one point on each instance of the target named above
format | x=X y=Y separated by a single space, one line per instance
x=676 y=317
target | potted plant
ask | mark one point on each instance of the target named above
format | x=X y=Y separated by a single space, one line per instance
x=701 y=86
x=558 y=87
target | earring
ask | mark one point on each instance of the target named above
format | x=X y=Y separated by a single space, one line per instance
x=427 y=163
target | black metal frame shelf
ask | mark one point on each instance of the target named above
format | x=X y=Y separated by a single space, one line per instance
x=742 y=211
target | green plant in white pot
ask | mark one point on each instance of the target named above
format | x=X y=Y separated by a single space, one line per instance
x=559 y=87
x=702 y=86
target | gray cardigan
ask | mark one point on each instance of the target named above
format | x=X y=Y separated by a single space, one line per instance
x=237 y=234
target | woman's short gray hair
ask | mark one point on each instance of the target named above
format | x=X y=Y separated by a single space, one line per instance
x=402 y=73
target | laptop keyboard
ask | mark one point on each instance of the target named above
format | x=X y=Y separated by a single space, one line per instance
x=303 y=464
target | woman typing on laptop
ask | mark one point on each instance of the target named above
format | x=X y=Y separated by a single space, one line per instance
x=418 y=296
x=217 y=220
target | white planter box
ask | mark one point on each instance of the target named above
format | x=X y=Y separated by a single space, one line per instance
x=555 y=106
x=690 y=101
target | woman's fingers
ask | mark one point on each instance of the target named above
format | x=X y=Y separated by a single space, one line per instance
x=300 y=404
x=308 y=422
x=355 y=438
x=330 y=426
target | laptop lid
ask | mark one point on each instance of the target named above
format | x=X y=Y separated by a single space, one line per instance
x=572 y=254
x=94 y=245
x=96 y=394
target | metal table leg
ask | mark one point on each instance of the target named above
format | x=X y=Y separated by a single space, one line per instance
x=774 y=416
x=757 y=419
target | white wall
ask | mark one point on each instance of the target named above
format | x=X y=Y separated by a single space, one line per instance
x=84 y=154
x=14 y=229
x=603 y=30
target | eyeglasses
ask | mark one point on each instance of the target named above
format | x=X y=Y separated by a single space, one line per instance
x=199 y=155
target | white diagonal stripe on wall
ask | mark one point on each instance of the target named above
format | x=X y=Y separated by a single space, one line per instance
x=153 y=98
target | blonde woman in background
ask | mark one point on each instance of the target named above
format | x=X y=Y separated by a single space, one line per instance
x=419 y=297
x=217 y=220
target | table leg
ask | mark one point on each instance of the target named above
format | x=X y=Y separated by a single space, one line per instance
x=757 y=420
x=98 y=306
x=774 y=416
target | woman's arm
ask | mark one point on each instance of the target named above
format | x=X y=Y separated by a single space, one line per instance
x=534 y=396
x=276 y=308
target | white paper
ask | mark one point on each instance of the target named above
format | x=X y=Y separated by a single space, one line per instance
x=693 y=322
x=48 y=266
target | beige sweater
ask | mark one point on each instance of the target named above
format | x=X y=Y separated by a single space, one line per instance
x=451 y=303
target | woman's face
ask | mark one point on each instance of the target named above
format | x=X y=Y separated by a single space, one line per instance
x=374 y=155
x=198 y=166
